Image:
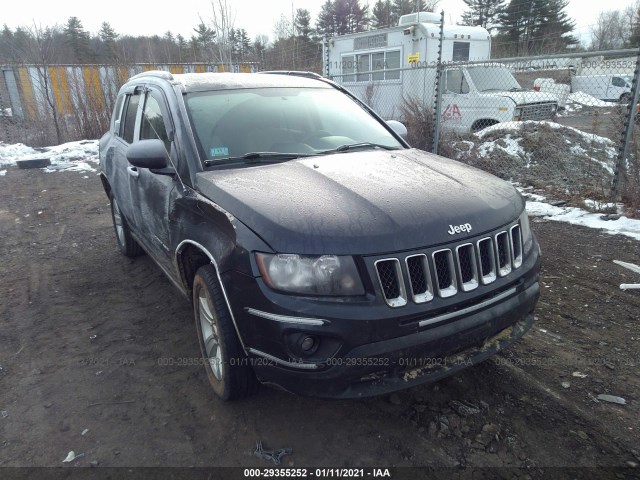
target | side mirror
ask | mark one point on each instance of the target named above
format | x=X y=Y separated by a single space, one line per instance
x=149 y=154
x=398 y=127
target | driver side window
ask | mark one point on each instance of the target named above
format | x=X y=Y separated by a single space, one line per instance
x=152 y=124
x=456 y=83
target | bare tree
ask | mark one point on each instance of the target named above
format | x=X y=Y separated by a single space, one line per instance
x=222 y=22
x=614 y=28
x=39 y=51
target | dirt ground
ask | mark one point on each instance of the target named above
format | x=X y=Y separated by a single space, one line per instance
x=85 y=335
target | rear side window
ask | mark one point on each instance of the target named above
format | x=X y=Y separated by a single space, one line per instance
x=117 y=111
x=129 y=116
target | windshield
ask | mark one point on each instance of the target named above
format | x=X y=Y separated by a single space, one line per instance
x=492 y=78
x=298 y=121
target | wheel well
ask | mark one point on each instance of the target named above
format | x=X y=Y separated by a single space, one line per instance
x=483 y=123
x=190 y=259
x=105 y=185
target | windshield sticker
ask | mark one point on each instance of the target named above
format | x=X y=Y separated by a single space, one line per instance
x=219 y=151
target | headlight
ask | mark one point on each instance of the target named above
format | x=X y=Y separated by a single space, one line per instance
x=527 y=238
x=311 y=275
x=517 y=113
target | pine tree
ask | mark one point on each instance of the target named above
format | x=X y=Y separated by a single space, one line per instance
x=302 y=23
x=183 y=48
x=381 y=15
x=341 y=17
x=536 y=26
x=326 y=22
x=483 y=13
x=78 y=40
x=109 y=36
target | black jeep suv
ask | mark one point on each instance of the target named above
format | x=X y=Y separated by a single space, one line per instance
x=322 y=254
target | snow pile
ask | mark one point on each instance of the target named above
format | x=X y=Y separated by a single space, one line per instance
x=563 y=159
x=78 y=156
x=586 y=99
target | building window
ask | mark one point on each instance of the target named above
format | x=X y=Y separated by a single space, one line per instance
x=461 y=51
x=366 y=67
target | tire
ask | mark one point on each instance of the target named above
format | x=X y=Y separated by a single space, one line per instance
x=228 y=370
x=126 y=243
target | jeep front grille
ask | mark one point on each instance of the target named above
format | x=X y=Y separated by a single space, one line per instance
x=538 y=111
x=445 y=272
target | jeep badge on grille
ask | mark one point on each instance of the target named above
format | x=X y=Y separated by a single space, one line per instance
x=465 y=227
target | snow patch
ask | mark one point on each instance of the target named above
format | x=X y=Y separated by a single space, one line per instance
x=72 y=156
x=586 y=99
x=577 y=216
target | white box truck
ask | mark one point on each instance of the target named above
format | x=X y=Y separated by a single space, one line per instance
x=386 y=66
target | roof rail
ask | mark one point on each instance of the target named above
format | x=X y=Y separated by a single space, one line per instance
x=295 y=73
x=154 y=73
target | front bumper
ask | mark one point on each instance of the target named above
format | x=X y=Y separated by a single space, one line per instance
x=379 y=349
x=404 y=362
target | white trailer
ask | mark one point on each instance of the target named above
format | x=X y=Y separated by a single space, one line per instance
x=388 y=66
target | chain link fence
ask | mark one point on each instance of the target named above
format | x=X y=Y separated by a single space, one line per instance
x=562 y=123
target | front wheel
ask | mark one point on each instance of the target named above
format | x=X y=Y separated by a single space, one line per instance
x=226 y=364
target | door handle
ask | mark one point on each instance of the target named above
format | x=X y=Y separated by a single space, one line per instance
x=133 y=171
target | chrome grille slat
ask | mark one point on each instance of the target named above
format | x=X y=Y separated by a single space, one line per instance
x=467 y=269
x=487 y=261
x=390 y=278
x=516 y=245
x=419 y=278
x=503 y=253
x=445 y=272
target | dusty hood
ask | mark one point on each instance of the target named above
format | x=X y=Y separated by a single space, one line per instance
x=368 y=202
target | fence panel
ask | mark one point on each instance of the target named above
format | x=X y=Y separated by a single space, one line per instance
x=46 y=105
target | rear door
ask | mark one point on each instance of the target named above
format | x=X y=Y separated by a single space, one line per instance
x=117 y=167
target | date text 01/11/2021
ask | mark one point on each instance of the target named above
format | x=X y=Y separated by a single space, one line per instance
x=317 y=473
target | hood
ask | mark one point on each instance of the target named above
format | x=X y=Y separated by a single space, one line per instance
x=371 y=202
x=525 y=97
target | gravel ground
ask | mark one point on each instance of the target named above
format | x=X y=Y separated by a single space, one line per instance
x=85 y=335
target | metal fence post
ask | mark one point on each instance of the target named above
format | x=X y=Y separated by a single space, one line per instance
x=438 y=92
x=627 y=130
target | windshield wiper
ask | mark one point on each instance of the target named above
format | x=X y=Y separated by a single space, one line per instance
x=356 y=146
x=257 y=157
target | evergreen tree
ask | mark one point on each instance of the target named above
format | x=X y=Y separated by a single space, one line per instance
x=6 y=45
x=483 y=13
x=203 y=42
x=341 y=17
x=183 y=48
x=302 y=23
x=536 y=26
x=109 y=37
x=326 y=22
x=78 y=40
x=382 y=16
x=404 y=7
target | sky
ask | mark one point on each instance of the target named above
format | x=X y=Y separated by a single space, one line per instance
x=257 y=17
